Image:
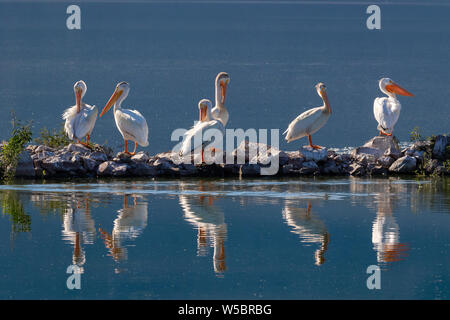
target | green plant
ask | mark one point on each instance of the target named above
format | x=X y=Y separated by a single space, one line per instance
x=415 y=135
x=12 y=206
x=9 y=155
x=54 y=139
x=447 y=165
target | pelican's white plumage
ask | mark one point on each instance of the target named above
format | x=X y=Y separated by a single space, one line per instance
x=131 y=123
x=387 y=109
x=310 y=121
x=80 y=119
x=190 y=144
x=220 y=112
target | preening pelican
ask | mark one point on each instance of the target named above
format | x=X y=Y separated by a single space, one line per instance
x=311 y=120
x=131 y=124
x=387 y=109
x=205 y=123
x=220 y=112
x=80 y=118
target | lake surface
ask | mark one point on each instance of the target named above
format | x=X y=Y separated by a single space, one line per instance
x=226 y=239
x=275 y=53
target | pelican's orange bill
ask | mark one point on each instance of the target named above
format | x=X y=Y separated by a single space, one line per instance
x=395 y=88
x=224 y=91
x=202 y=114
x=78 y=99
x=111 y=101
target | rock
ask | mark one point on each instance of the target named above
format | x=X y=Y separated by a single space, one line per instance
x=122 y=157
x=188 y=169
x=25 y=165
x=379 y=171
x=346 y=158
x=315 y=155
x=295 y=158
x=421 y=145
x=142 y=169
x=43 y=148
x=439 y=147
x=287 y=169
x=111 y=168
x=97 y=156
x=140 y=157
x=385 y=161
x=393 y=153
x=77 y=148
x=42 y=155
x=356 y=169
x=62 y=165
x=254 y=152
x=377 y=147
x=231 y=169
x=406 y=164
x=89 y=164
x=250 y=169
x=309 y=167
x=330 y=167
x=269 y=156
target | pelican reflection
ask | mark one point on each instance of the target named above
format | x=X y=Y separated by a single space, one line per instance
x=386 y=232
x=127 y=227
x=78 y=229
x=385 y=195
x=209 y=220
x=309 y=228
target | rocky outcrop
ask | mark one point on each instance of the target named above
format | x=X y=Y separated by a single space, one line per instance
x=380 y=155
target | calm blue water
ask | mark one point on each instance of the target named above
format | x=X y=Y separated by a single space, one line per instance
x=226 y=239
x=275 y=54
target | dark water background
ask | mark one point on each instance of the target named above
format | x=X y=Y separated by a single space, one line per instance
x=275 y=53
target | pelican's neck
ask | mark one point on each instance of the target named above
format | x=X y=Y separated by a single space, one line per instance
x=118 y=104
x=326 y=102
x=219 y=103
x=209 y=116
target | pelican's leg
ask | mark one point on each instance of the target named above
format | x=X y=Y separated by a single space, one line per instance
x=124 y=201
x=135 y=149
x=86 y=144
x=385 y=134
x=312 y=145
x=126 y=147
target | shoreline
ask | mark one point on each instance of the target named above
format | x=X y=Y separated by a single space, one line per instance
x=381 y=156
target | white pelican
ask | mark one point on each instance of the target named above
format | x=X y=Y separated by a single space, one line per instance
x=311 y=120
x=80 y=118
x=131 y=124
x=205 y=123
x=387 y=109
x=220 y=112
